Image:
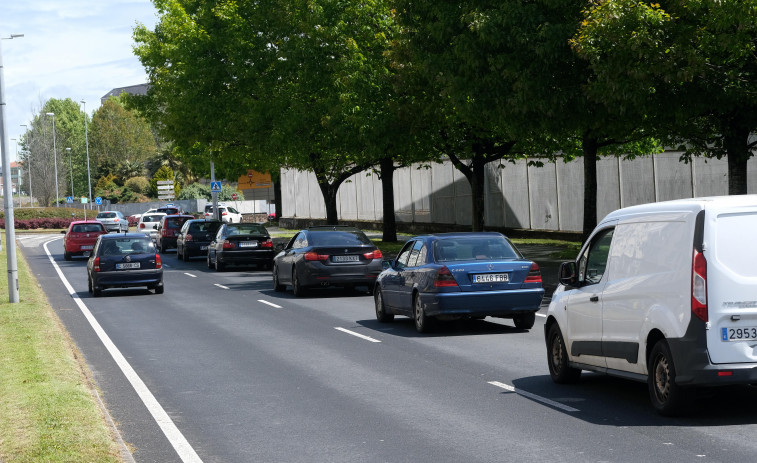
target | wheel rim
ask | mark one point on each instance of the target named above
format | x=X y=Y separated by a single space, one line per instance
x=275 y=278
x=557 y=353
x=418 y=313
x=379 y=304
x=661 y=378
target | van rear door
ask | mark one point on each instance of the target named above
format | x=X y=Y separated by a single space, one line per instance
x=731 y=252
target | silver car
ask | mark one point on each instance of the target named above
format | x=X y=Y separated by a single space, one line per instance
x=148 y=224
x=113 y=221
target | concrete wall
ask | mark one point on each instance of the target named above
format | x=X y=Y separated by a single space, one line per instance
x=517 y=195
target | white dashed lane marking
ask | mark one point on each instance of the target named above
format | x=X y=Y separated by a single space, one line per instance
x=535 y=397
x=361 y=336
x=270 y=303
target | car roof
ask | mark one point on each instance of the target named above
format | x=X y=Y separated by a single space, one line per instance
x=333 y=228
x=461 y=235
x=76 y=222
x=204 y=220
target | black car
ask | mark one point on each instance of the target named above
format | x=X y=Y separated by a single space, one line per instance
x=240 y=244
x=123 y=261
x=325 y=256
x=194 y=237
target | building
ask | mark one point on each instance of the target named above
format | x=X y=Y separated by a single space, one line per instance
x=140 y=89
x=16 y=174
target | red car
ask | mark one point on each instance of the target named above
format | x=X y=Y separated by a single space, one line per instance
x=80 y=237
x=168 y=230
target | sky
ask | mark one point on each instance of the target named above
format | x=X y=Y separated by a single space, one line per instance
x=78 y=49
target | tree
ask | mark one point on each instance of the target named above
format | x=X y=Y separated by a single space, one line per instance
x=164 y=173
x=690 y=64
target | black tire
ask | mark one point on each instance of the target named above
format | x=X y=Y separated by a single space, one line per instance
x=668 y=398
x=220 y=267
x=277 y=286
x=423 y=323
x=184 y=254
x=66 y=255
x=381 y=313
x=525 y=321
x=159 y=289
x=89 y=285
x=160 y=248
x=297 y=288
x=96 y=292
x=557 y=358
x=210 y=264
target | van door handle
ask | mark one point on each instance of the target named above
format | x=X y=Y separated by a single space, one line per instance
x=594 y=298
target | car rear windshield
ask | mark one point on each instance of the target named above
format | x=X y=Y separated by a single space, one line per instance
x=122 y=246
x=474 y=248
x=106 y=215
x=198 y=227
x=152 y=218
x=87 y=228
x=338 y=238
x=246 y=229
x=175 y=222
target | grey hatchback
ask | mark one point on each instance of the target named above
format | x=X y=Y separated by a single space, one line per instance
x=113 y=221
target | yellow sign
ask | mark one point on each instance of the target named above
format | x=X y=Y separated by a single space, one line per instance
x=254 y=179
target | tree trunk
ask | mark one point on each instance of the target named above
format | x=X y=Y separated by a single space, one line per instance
x=329 y=197
x=387 y=192
x=736 y=139
x=590 y=146
x=477 y=193
x=277 y=198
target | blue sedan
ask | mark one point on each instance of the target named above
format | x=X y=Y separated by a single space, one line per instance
x=459 y=275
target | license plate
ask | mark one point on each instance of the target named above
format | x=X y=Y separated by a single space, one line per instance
x=127 y=265
x=86 y=248
x=491 y=278
x=248 y=244
x=203 y=248
x=738 y=334
x=345 y=258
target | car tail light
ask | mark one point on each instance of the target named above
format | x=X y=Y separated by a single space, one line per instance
x=444 y=278
x=266 y=244
x=116 y=219
x=315 y=256
x=158 y=261
x=699 y=286
x=374 y=255
x=223 y=213
x=96 y=264
x=534 y=274
x=142 y=225
x=187 y=237
x=228 y=244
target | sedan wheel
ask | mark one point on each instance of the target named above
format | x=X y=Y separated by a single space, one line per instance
x=277 y=286
x=219 y=265
x=210 y=264
x=525 y=321
x=297 y=288
x=423 y=323
x=66 y=255
x=381 y=314
x=184 y=254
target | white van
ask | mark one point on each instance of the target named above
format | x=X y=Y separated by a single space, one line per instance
x=664 y=293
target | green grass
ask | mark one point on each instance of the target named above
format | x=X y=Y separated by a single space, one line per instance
x=48 y=412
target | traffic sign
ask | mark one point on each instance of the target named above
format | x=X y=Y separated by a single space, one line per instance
x=98 y=200
x=84 y=200
x=69 y=199
x=234 y=196
x=215 y=187
x=165 y=182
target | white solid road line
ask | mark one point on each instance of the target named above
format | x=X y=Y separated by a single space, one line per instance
x=220 y=286
x=535 y=397
x=174 y=436
x=270 y=303
x=361 y=336
x=189 y=274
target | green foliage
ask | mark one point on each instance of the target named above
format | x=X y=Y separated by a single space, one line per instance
x=195 y=191
x=105 y=182
x=138 y=184
x=227 y=191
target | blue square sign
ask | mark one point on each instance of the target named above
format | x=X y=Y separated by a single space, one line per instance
x=215 y=187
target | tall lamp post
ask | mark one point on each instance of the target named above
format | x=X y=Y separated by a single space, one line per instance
x=86 y=142
x=70 y=166
x=10 y=231
x=55 y=158
x=28 y=165
x=18 y=185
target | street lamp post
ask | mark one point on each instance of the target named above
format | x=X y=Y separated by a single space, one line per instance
x=55 y=161
x=70 y=166
x=18 y=177
x=10 y=231
x=86 y=142
x=28 y=165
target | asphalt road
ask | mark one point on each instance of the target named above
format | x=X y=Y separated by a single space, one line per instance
x=239 y=373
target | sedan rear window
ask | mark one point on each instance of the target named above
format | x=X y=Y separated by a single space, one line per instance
x=106 y=215
x=87 y=228
x=123 y=246
x=246 y=229
x=478 y=248
x=338 y=238
x=152 y=218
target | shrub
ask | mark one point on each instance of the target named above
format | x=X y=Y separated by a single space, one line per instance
x=139 y=185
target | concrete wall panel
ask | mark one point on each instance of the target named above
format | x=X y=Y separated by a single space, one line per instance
x=443 y=194
x=636 y=182
x=542 y=184
x=673 y=177
x=570 y=197
x=608 y=186
x=514 y=179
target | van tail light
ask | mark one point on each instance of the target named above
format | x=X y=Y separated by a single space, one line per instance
x=699 y=286
x=158 y=261
x=96 y=264
x=534 y=274
x=444 y=278
x=266 y=244
x=312 y=256
x=142 y=225
x=228 y=244
x=374 y=255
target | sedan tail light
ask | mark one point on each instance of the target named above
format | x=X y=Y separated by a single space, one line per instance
x=142 y=225
x=315 y=256
x=96 y=264
x=266 y=244
x=229 y=244
x=534 y=274
x=374 y=255
x=158 y=261
x=444 y=278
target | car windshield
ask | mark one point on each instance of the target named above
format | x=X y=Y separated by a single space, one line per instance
x=474 y=248
x=338 y=238
x=123 y=246
x=246 y=229
x=106 y=215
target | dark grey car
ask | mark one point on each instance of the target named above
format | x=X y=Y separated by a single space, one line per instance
x=194 y=237
x=326 y=256
x=124 y=261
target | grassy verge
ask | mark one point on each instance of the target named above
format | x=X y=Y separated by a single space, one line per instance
x=47 y=409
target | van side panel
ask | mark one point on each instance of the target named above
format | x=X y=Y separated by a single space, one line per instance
x=649 y=286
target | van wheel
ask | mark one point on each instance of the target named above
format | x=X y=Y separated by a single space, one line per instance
x=559 y=369
x=381 y=313
x=423 y=323
x=668 y=398
x=525 y=321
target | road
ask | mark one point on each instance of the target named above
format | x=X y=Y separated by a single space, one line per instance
x=239 y=373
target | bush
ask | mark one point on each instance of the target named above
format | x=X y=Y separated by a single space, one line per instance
x=139 y=185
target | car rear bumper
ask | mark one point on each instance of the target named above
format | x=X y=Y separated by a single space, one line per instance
x=195 y=248
x=246 y=257
x=127 y=278
x=318 y=274
x=489 y=303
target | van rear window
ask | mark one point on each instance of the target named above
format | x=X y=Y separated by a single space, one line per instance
x=734 y=242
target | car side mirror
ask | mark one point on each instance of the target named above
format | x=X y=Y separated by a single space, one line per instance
x=568 y=275
x=154 y=227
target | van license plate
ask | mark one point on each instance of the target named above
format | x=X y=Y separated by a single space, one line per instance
x=738 y=334
x=126 y=265
x=491 y=278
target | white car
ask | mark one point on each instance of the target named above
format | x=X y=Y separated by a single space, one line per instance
x=662 y=293
x=148 y=224
x=227 y=214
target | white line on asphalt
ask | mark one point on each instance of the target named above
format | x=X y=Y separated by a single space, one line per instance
x=544 y=400
x=367 y=338
x=221 y=286
x=189 y=274
x=175 y=437
x=270 y=303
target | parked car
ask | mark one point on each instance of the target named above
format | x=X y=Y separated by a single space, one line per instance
x=227 y=214
x=240 y=244
x=324 y=256
x=459 y=275
x=113 y=221
x=170 y=209
x=194 y=237
x=123 y=261
x=662 y=293
x=168 y=228
x=134 y=219
x=148 y=224
x=80 y=237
